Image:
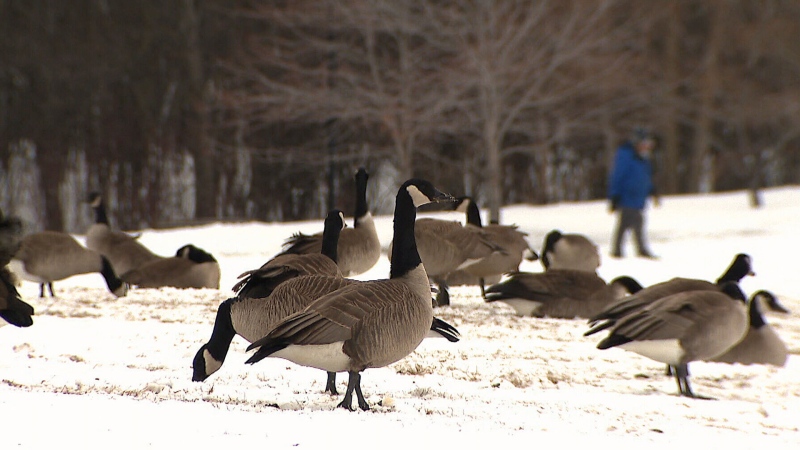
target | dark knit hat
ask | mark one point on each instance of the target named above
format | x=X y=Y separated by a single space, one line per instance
x=641 y=134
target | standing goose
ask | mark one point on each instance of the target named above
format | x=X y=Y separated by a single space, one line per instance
x=124 y=252
x=12 y=309
x=368 y=324
x=50 y=256
x=191 y=267
x=252 y=316
x=260 y=283
x=569 y=251
x=761 y=345
x=560 y=293
x=359 y=247
x=513 y=242
x=683 y=327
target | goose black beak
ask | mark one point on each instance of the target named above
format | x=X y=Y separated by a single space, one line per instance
x=441 y=197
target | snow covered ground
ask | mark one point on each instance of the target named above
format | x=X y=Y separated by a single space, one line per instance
x=105 y=372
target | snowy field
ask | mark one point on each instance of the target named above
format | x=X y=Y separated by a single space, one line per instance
x=102 y=372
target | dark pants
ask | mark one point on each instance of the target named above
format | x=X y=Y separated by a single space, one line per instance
x=630 y=218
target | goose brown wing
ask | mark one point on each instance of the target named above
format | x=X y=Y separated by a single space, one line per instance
x=670 y=317
x=334 y=317
x=649 y=295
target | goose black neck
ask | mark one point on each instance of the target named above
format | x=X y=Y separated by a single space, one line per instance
x=754 y=312
x=474 y=214
x=739 y=268
x=219 y=343
x=330 y=241
x=549 y=242
x=100 y=214
x=361 y=195
x=405 y=256
x=110 y=276
x=223 y=332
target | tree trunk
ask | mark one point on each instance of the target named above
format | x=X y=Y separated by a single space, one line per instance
x=197 y=134
x=669 y=175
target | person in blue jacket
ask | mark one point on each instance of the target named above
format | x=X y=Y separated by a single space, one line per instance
x=630 y=184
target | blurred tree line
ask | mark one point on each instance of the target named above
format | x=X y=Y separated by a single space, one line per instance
x=195 y=110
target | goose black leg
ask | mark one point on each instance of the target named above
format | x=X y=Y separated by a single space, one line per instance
x=330 y=385
x=353 y=384
x=443 y=296
x=682 y=377
x=50 y=285
x=41 y=290
x=483 y=287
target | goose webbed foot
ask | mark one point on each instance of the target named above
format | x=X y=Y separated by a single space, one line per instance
x=330 y=384
x=682 y=377
x=353 y=384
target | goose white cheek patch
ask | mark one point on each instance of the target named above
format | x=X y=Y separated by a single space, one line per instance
x=417 y=196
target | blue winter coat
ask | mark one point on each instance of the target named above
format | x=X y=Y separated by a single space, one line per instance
x=631 y=178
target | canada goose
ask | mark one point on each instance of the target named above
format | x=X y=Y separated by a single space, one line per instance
x=559 y=293
x=368 y=324
x=260 y=283
x=508 y=237
x=446 y=246
x=191 y=267
x=12 y=309
x=569 y=251
x=761 y=345
x=49 y=256
x=252 y=318
x=683 y=327
x=739 y=268
x=124 y=252
x=359 y=247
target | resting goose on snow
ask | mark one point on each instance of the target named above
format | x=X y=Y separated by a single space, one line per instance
x=761 y=345
x=681 y=328
x=368 y=324
x=559 y=293
x=569 y=251
x=49 y=256
x=124 y=252
x=359 y=247
x=191 y=267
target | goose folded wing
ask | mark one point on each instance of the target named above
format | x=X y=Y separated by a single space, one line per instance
x=330 y=319
x=669 y=320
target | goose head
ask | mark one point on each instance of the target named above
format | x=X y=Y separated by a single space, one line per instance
x=194 y=254
x=770 y=299
x=422 y=192
x=741 y=266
